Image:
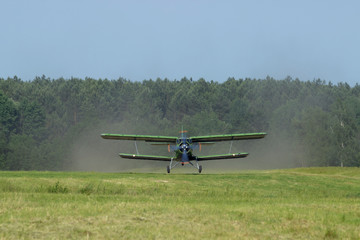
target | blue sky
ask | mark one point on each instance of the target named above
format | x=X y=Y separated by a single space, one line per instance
x=215 y=40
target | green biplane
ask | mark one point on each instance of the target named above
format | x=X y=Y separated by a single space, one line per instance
x=183 y=147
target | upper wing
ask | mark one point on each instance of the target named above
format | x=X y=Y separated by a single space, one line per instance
x=147 y=138
x=223 y=156
x=228 y=137
x=145 y=157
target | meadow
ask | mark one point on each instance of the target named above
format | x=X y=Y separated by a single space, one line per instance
x=304 y=203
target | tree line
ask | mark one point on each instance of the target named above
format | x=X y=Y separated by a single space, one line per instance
x=41 y=119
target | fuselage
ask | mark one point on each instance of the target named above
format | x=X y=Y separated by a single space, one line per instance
x=184 y=149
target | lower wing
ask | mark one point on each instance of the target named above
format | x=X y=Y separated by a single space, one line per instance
x=145 y=157
x=223 y=156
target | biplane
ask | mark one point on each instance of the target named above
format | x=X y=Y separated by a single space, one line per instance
x=183 y=147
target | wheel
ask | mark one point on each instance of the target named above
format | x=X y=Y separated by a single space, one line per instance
x=200 y=169
x=168 y=169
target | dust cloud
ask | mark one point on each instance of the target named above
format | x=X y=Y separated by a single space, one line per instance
x=92 y=153
x=268 y=153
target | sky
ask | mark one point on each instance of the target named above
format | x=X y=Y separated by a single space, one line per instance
x=214 y=40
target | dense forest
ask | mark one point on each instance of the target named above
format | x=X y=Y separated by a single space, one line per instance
x=312 y=123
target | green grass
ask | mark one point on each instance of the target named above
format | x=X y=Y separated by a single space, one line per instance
x=308 y=203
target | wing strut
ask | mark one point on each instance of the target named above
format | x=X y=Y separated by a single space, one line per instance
x=137 y=151
x=230 y=147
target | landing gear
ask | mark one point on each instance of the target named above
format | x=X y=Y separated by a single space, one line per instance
x=172 y=165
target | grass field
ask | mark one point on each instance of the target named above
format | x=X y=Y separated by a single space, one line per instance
x=313 y=203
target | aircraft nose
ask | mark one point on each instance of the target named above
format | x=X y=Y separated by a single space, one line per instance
x=184 y=147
